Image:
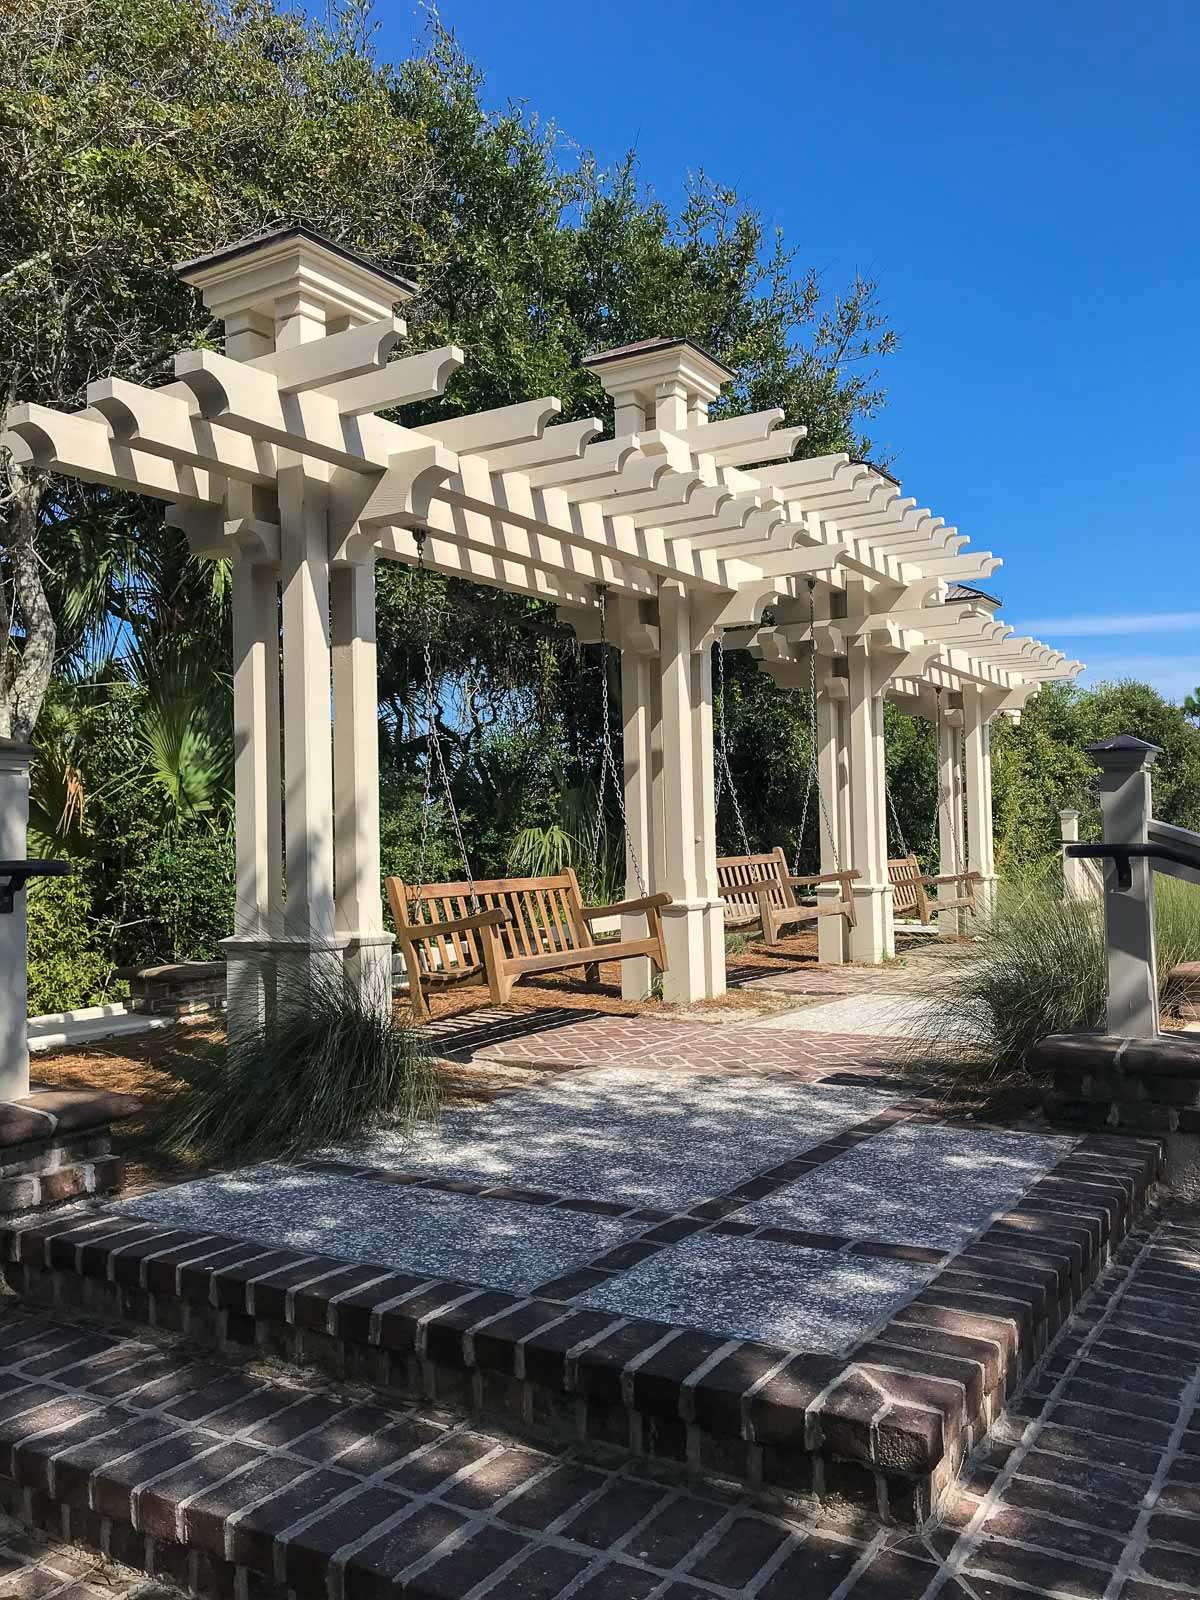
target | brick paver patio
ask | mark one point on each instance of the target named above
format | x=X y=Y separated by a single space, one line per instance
x=219 y=1476
x=559 y=1039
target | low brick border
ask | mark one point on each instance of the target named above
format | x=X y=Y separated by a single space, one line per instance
x=886 y=1426
x=55 y=1145
x=1134 y=1085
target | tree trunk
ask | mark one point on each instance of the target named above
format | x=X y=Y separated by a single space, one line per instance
x=24 y=674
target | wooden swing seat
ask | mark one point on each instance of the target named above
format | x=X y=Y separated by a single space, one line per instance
x=523 y=925
x=759 y=890
x=909 y=886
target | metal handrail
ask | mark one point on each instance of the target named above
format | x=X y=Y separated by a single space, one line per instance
x=1122 y=854
x=14 y=875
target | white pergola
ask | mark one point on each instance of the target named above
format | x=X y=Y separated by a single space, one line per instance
x=272 y=455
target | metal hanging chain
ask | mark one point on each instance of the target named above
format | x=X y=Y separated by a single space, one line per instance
x=608 y=768
x=724 y=771
x=813 y=780
x=433 y=749
x=895 y=816
x=945 y=795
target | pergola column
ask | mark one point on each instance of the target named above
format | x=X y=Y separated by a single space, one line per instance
x=872 y=938
x=833 y=778
x=641 y=743
x=978 y=709
x=693 y=924
x=357 y=873
x=704 y=799
x=309 y=928
x=258 y=798
x=950 y=819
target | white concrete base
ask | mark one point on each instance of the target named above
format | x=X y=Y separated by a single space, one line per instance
x=369 y=970
x=833 y=933
x=872 y=938
x=985 y=898
x=687 y=932
x=60 y=1028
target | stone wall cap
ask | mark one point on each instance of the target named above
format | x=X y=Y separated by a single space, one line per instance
x=50 y=1112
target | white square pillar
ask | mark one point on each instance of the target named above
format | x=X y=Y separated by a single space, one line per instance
x=705 y=814
x=833 y=776
x=357 y=874
x=1126 y=810
x=951 y=841
x=641 y=743
x=14 y=822
x=977 y=761
x=683 y=920
x=258 y=821
x=309 y=925
x=872 y=938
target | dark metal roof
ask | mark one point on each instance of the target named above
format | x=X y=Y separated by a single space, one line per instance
x=641 y=346
x=254 y=241
x=966 y=591
x=882 y=471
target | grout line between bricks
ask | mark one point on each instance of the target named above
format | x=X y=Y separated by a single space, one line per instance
x=970 y=1538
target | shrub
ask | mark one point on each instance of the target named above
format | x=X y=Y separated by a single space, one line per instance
x=176 y=897
x=1038 y=967
x=327 y=1066
x=67 y=967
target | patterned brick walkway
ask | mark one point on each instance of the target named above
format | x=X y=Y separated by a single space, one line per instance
x=564 y=1039
x=1090 y=1490
x=37 y=1566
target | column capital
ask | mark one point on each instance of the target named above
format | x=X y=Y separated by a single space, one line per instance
x=1126 y=753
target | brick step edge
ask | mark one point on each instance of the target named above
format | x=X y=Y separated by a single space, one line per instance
x=886 y=1426
x=70 y=1180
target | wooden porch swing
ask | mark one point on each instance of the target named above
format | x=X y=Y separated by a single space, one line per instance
x=500 y=929
x=911 y=886
x=757 y=888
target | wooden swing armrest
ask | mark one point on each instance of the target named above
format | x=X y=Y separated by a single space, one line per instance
x=649 y=902
x=419 y=931
x=952 y=877
x=825 y=877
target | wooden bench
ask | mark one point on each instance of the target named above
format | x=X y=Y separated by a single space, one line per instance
x=909 y=886
x=759 y=890
x=523 y=925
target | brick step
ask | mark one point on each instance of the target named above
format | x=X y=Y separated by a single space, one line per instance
x=227 y=1482
x=56 y=1145
x=885 y=1426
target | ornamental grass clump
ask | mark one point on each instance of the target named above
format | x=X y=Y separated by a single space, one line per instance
x=327 y=1066
x=1037 y=967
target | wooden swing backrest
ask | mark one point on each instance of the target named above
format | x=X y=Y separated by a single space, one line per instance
x=909 y=898
x=740 y=877
x=544 y=915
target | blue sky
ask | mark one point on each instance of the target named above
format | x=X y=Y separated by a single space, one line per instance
x=1020 y=180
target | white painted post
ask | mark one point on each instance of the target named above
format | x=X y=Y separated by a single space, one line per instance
x=307 y=735
x=357 y=874
x=833 y=933
x=977 y=759
x=872 y=939
x=14 y=822
x=639 y=729
x=683 y=920
x=1125 y=811
x=258 y=798
x=951 y=840
x=1068 y=828
x=704 y=818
